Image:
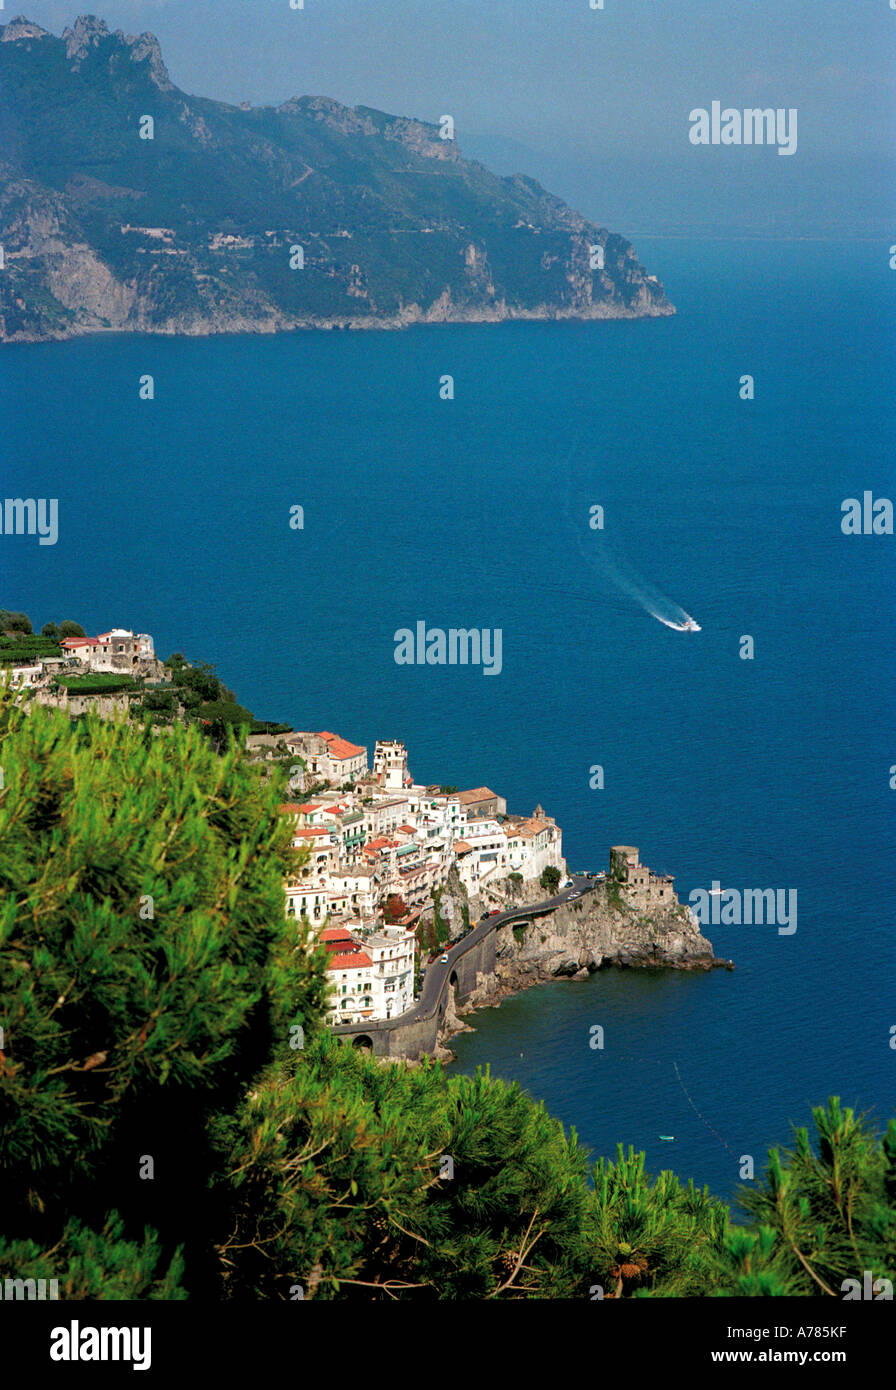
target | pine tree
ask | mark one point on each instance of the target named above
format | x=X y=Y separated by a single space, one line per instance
x=147 y=970
x=830 y=1209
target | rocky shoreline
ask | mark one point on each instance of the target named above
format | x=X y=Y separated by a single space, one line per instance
x=412 y=316
x=619 y=925
x=191 y=218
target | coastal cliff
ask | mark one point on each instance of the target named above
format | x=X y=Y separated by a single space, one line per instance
x=632 y=919
x=127 y=205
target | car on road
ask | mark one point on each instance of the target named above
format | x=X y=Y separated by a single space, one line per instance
x=577 y=894
x=495 y=912
x=444 y=960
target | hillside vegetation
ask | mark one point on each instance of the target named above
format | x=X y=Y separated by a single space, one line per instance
x=198 y=229
x=178 y=1122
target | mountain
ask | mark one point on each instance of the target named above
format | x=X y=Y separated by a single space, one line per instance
x=196 y=229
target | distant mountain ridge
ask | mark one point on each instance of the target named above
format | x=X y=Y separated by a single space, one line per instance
x=228 y=219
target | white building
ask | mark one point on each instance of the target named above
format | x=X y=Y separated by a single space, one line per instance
x=305 y=899
x=370 y=977
x=385 y=816
x=390 y=764
x=354 y=891
x=350 y=976
x=481 y=855
x=534 y=843
x=439 y=816
x=20 y=676
x=392 y=951
x=116 y=650
x=328 y=758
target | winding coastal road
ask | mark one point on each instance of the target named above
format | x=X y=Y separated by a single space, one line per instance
x=438 y=973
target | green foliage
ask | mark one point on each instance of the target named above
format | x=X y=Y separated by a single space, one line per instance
x=142 y=933
x=15 y=622
x=829 y=1206
x=205 y=700
x=24 y=649
x=151 y=985
x=50 y=630
x=333 y=1171
x=70 y=629
x=201 y=680
x=97 y=1264
x=656 y=1237
x=98 y=683
x=550 y=879
x=160 y=700
x=228 y=711
x=614 y=895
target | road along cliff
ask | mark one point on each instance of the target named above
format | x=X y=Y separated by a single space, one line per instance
x=632 y=919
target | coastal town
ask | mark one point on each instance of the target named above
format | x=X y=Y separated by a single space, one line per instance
x=375 y=849
x=380 y=847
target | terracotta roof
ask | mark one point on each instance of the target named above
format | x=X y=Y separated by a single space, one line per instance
x=409 y=829
x=340 y=747
x=313 y=832
x=461 y=847
x=289 y=808
x=525 y=826
x=477 y=794
x=356 y=961
x=335 y=934
x=79 y=642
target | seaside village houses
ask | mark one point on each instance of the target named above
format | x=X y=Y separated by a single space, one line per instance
x=378 y=844
x=117 y=651
x=375 y=835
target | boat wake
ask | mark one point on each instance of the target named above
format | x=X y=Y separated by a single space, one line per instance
x=687 y=626
x=600 y=555
x=664 y=609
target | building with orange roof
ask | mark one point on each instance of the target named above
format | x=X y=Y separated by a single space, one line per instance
x=116 y=650
x=482 y=801
x=328 y=757
x=370 y=976
x=350 y=977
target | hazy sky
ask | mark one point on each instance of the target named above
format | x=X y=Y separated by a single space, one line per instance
x=581 y=88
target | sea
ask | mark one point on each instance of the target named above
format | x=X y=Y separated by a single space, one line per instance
x=760 y=763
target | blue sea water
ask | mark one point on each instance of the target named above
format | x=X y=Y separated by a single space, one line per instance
x=771 y=772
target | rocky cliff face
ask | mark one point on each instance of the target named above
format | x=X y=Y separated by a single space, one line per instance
x=596 y=931
x=127 y=205
x=603 y=928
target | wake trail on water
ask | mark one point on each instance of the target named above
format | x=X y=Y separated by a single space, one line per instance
x=603 y=564
x=664 y=609
x=603 y=558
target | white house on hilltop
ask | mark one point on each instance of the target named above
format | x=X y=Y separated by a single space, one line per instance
x=118 y=650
